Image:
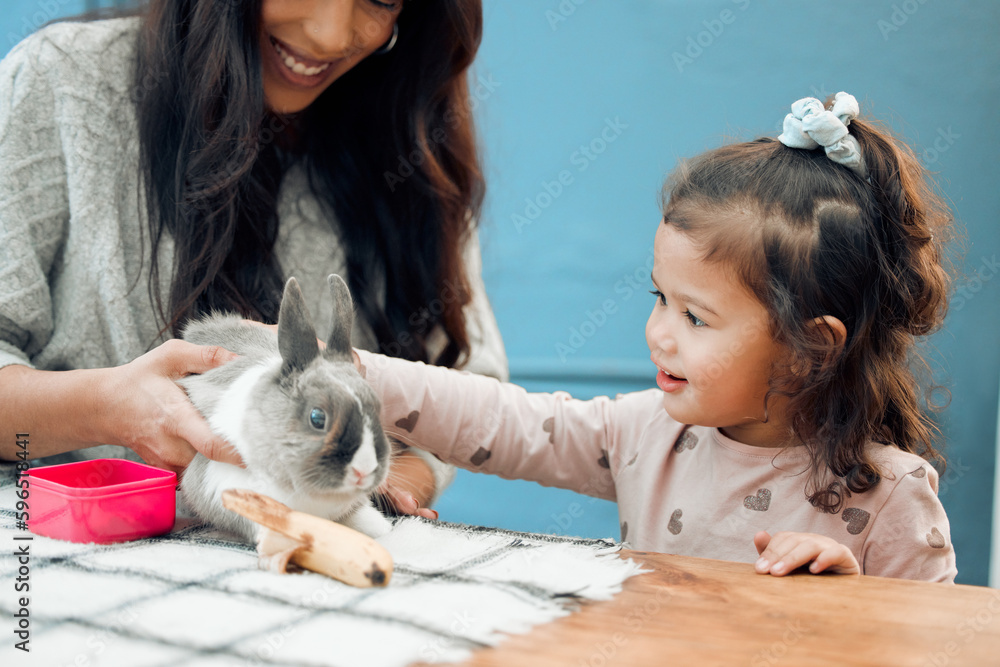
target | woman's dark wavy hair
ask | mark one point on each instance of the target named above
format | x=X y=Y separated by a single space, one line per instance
x=809 y=237
x=212 y=166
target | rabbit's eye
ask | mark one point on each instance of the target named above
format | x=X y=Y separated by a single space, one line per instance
x=318 y=419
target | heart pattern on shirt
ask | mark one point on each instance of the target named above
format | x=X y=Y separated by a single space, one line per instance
x=603 y=461
x=479 y=458
x=675 y=524
x=409 y=422
x=920 y=472
x=935 y=540
x=760 y=502
x=856 y=519
x=688 y=440
x=624 y=526
x=549 y=426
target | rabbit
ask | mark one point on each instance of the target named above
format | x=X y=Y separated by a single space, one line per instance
x=305 y=422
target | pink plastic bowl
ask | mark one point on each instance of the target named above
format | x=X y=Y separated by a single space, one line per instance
x=102 y=501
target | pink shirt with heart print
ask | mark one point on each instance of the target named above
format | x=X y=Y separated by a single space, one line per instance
x=680 y=489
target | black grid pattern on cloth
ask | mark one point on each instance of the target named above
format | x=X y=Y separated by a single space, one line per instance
x=292 y=612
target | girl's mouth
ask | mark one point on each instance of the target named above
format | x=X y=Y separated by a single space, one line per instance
x=668 y=382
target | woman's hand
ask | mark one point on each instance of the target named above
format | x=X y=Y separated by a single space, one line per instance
x=148 y=412
x=785 y=552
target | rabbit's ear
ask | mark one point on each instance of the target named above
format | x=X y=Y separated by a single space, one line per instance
x=296 y=334
x=339 y=343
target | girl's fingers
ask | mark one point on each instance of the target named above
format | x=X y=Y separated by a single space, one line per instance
x=788 y=551
x=761 y=540
x=837 y=557
x=784 y=550
x=403 y=501
x=777 y=546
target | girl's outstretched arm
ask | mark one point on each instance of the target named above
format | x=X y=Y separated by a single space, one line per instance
x=784 y=552
x=485 y=425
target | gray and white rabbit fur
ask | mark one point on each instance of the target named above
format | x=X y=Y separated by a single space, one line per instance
x=304 y=421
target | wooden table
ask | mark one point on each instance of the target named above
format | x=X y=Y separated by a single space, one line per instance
x=693 y=611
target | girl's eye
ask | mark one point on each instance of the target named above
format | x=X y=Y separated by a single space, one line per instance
x=659 y=296
x=391 y=6
x=317 y=418
x=694 y=319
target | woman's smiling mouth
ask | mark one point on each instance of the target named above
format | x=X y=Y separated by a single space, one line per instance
x=299 y=69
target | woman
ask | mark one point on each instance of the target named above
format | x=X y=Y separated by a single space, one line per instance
x=160 y=166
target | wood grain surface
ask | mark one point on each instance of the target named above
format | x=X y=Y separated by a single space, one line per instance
x=693 y=611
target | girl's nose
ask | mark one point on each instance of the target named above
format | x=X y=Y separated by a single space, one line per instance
x=660 y=334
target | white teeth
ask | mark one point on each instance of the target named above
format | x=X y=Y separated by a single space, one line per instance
x=297 y=67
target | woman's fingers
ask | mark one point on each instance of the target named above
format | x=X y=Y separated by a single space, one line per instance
x=179 y=358
x=191 y=428
x=151 y=414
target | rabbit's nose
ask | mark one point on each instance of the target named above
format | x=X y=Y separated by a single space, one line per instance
x=359 y=477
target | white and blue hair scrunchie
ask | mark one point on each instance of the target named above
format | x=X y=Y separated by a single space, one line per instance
x=810 y=126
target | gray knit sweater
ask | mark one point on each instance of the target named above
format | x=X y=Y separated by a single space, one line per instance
x=74 y=251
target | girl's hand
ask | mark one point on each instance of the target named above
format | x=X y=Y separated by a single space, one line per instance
x=409 y=485
x=785 y=552
x=148 y=412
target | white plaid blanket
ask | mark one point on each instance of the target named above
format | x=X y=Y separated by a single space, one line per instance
x=195 y=597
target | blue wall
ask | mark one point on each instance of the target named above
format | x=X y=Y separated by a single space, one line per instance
x=608 y=95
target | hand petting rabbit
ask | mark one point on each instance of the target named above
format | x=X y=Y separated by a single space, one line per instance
x=304 y=421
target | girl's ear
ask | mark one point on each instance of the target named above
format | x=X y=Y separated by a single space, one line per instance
x=832 y=334
x=832 y=329
x=827 y=337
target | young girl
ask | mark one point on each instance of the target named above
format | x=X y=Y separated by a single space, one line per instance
x=791 y=278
